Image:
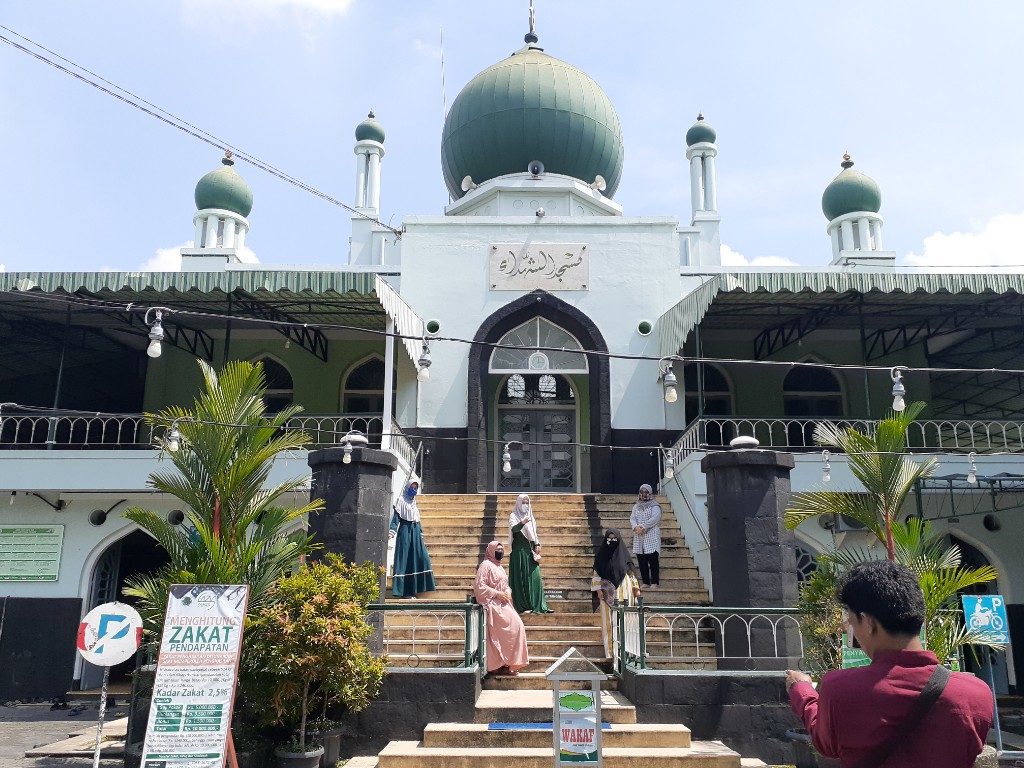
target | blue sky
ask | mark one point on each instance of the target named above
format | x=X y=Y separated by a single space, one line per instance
x=923 y=95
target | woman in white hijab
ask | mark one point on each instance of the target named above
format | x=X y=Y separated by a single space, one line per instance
x=524 y=564
x=645 y=520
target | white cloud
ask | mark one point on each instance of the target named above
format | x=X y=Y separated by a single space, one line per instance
x=731 y=258
x=427 y=50
x=166 y=259
x=996 y=245
x=3 y=267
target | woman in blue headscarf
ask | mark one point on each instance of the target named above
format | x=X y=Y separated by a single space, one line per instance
x=412 y=571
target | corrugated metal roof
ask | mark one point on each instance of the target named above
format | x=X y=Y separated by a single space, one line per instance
x=751 y=293
x=251 y=281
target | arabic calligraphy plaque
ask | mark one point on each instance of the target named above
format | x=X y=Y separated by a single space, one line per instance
x=550 y=266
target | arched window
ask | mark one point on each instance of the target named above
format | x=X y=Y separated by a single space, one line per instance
x=714 y=388
x=279 y=392
x=518 y=350
x=806 y=563
x=363 y=390
x=810 y=394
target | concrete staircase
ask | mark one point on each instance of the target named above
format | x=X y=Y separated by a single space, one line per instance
x=626 y=744
x=457 y=529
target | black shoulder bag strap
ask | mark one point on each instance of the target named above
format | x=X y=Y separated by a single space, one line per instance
x=922 y=706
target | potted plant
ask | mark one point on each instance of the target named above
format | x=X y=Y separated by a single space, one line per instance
x=308 y=646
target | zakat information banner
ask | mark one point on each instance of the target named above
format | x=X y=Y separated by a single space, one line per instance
x=193 y=695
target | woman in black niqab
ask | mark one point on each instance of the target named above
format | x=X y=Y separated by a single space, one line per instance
x=611 y=564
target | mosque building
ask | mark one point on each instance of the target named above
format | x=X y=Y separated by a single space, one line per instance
x=534 y=338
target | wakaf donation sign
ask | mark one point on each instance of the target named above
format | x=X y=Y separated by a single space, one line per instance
x=577 y=727
x=194 y=691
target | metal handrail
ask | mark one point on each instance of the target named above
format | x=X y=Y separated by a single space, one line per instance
x=635 y=623
x=469 y=615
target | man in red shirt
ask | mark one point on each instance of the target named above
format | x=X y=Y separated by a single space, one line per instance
x=855 y=711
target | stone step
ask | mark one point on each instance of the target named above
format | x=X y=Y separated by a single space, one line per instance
x=536 y=681
x=531 y=706
x=409 y=754
x=576 y=600
x=553 y=647
x=619 y=735
x=567 y=575
x=557 y=619
x=533 y=633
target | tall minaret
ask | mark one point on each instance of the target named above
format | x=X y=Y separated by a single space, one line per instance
x=701 y=152
x=368 y=244
x=223 y=200
x=369 y=151
x=851 y=203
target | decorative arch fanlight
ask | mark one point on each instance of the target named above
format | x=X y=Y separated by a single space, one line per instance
x=519 y=350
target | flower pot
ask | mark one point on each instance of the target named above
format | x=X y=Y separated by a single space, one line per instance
x=331 y=739
x=288 y=759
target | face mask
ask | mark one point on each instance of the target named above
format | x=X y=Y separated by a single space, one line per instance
x=411 y=492
x=526 y=506
x=611 y=542
x=498 y=555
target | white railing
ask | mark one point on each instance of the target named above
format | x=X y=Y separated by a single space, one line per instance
x=710 y=638
x=797 y=435
x=442 y=634
x=82 y=431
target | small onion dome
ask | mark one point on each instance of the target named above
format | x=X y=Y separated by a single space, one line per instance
x=849 y=192
x=224 y=189
x=699 y=132
x=370 y=130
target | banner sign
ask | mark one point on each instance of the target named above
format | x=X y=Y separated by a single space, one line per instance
x=30 y=552
x=577 y=727
x=528 y=266
x=193 y=695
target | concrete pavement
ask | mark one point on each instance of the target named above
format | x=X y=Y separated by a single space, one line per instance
x=25 y=726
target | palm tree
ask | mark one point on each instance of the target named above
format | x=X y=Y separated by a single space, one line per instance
x=888 y=474
x=236 y=532
x=881 y=464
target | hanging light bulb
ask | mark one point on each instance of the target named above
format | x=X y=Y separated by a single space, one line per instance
x=898 y=390
x=506 y=460
x=972 y=476
x=424 y=364
x=156 y=335
x=670 y=466
x=669 y=382
x=346 y=452
x=826 y=469
x=172 y=441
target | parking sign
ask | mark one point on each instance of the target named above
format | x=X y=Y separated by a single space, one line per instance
x=987 y=613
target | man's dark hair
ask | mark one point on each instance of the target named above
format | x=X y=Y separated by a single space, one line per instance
x=886 y=590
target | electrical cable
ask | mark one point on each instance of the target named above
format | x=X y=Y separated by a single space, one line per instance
x=174 y=121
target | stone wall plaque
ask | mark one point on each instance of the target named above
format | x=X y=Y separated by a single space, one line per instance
x=549 y=266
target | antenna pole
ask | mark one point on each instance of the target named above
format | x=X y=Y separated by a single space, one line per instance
x=444 y=95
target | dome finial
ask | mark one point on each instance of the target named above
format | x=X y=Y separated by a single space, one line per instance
x=531 y=36
x=371 y=115
x=847 y=162
x=227 y=158
x=700 y=117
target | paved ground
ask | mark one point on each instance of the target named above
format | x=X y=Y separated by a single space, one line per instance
x=25 y=726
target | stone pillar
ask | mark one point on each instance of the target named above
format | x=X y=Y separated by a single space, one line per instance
x=357 y=498
x=753 y=554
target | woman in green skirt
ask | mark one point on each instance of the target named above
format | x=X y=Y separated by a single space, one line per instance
x=524 y=565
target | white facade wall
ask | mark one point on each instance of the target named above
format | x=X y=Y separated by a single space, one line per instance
x=634 y=276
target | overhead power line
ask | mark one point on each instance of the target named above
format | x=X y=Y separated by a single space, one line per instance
x=127 y=97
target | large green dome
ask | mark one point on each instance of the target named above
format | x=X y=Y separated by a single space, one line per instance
x=224 y=189
x=849 y=192
x=531 y=106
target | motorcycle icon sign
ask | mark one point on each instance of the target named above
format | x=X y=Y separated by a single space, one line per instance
x=987 y=614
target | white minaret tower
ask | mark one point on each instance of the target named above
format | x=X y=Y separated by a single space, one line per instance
x=223 y=200
x=851 y=203
x=368 y=244
x=701 y=151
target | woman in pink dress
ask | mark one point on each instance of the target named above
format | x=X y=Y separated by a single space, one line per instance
x=506 y=635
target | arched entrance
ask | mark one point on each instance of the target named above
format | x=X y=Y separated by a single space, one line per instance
x=558 y=399
x=135 y=554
